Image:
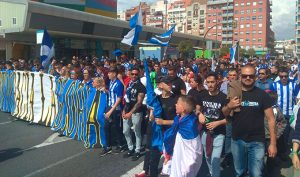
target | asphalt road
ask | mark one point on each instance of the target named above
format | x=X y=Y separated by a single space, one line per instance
x=35 y=151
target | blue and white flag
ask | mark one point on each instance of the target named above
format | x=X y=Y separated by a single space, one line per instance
x=163 y=39
x=136 y=23
x=47 y=50
x=234 y=50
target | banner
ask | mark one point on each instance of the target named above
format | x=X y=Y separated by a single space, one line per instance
x=35 y=98
x=80 y=112
x=7 y=103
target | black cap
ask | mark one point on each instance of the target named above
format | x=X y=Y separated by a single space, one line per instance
x=164 y=79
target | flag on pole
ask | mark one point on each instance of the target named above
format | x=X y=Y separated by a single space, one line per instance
x=136 y=23
x=47 y=50
x=234 y=50
x=163 y=39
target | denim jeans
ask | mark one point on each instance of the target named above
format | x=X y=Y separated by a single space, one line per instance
x=228 y=138
x=135 y=121
x=248 y=156
x=214 y=161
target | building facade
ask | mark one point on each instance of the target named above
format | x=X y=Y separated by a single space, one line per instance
x=195 y=14
x=298 y=28
x=246 y=21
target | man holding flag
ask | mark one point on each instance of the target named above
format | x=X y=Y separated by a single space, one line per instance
x=47 y=50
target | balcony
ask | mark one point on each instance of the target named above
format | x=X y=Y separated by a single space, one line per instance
x=227 y=29
x=219 y=2
x=227 y=21
x=230 y=7
x=226 y=42
x=227 y=15
x=227 y=35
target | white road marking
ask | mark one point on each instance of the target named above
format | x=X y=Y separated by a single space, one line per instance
x=3 y=123
x=56 y=164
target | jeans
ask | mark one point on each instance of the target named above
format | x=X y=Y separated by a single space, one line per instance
x=213 y=162
x=135 y=121
x=113 y=131
x=248 y=156
x=228 y=138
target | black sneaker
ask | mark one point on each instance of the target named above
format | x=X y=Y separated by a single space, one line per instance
x=117 y=150
x=128 y=154
x=105 y=151
x=136 y=156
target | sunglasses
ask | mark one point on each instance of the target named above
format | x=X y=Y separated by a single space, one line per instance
x=245 y=76
x=134 y=74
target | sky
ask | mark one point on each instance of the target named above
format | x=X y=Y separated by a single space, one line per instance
x=283 y=22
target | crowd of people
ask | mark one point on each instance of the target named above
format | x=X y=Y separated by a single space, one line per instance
x=229 y=113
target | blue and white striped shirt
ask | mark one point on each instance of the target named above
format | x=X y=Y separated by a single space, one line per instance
x=286 y=96
x=115 y=91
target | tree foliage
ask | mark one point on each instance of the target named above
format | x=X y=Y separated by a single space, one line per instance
x=224 y=51
x=185 y=47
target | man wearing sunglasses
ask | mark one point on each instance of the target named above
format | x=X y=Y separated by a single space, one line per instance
x=287 y=91
x=132 y=114
x=263 y=81
x=248 y=130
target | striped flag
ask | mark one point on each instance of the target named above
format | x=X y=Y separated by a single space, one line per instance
x=47 y=50
x=136 y=23
x=163 y=39
x=234 y=53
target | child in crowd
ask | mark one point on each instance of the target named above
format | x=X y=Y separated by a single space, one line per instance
x=182 y=140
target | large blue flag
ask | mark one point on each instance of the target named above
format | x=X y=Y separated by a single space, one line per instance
x=153 y=103
x=136 y=23
x=163 y=39
x=47 y=50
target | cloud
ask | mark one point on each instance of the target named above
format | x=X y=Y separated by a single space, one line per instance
x=283 y=22
x=126 y=4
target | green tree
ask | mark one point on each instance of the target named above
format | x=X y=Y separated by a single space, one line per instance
x=224 y=51
x=251 y=52
x=185 y=47
x=242 y=52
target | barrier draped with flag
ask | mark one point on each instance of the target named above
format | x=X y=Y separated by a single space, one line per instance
x=75 y=110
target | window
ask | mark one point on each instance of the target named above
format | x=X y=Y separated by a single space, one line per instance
x=14 y=21
x=248 y=25
x=202 y=21
x=220 y=14
x=241 y=33
x=248 y=11
x=253 y=17
x=247 y=40
x=236 y=4
x=236 y=33
x=242 y=12
x=254 y=11
x=247 y=32
x=260 y=17
x=248 y=18
x=253 y=32
x=248 y=3
x=253 y=39
x=209 y=15
x=259 y=46
x=241 y=26
x=242 y=18
x=253 y=25
x=236 y=19
x=236 y=12
x=254 y=3
x=201 y=12
x=259 y=32
x=260 y=10
x=259 y=40
x=242 y=40
x=242 y=4
x=189 y=13
x=260 y=25
x=208 y=21
x=260 y=2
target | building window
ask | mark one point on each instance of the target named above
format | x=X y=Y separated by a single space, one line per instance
x=236 y=4
x=208 y=21
x=259 y=46
x=247 y=18
x=248 y=11
x=260 y=17
x=236 y=12
x=248 y=25
x=260 y=9
x=189 y=13
x=247 y=32
x=241 y=33
x=253 y=25
x=260 y=25
x=254 y=32
x=247 y=40
x=242 y=18
x=254 y=3
x=201 y=12
x=241 y=26
x=14 y=21
x=241 y=40
x=259 y=32
x=259 y=40
x=242 y=12
x=254 y=11
x=242 y=4
x=236 y=19
x=260 y=3
x=236 y=33
x=253 y=17
x=253 y=39
x=248 y=3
